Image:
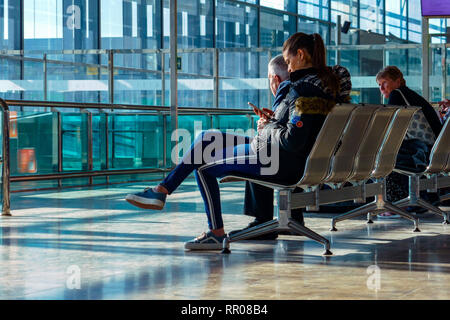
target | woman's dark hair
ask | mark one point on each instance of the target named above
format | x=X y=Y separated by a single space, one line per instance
x=313 y=44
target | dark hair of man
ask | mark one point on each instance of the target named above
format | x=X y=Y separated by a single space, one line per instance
x=313 y=44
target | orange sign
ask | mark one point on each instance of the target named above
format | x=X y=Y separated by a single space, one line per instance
x=26 y=160
x=13 y=124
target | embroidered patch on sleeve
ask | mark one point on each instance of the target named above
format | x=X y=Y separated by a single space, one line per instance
x=297 y=122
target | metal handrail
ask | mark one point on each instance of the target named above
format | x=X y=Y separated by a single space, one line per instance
x=84 y=174
x=5 y=160
x=103 y=106
x=208 y=50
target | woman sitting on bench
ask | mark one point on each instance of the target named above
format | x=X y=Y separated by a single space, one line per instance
x=285 y=140
x=420 y=137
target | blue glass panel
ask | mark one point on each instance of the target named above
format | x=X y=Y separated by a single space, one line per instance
x=136 y=141
x=314 y=8
x=131 y=24
x=284 y=5
x=10 y=26
x=74 y=141
x=33 y=142
x=396 y=19
x=237 y=25
x=276 y=28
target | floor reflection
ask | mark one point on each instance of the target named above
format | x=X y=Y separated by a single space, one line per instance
x=125 y=253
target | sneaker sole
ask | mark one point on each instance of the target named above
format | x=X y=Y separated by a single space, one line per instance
x=136 y=201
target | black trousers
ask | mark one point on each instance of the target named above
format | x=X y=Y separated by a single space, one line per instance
x=258 y=203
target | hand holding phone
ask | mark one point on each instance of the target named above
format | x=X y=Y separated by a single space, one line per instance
x=261 y=113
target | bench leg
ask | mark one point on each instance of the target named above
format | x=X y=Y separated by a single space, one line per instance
x=302 y=230
x=370 y=207
x=404 y=214
x=423 y=204
x=258 y=230
x=379 y=205
x=414 y=199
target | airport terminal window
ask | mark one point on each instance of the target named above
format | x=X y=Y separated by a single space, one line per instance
x=43 y=24
x=414 y=21
x=371 y=16
x=286 y=5
x=249 y=1
x=237 y=25
x=314 y=8
x=11 y=70
x=131 y=24
x=396 y=18
x=314 y=26
x=60 y=24
x=438 y=26
x=195 y=83
x=10 y=25
x=195 y=23
x=275 y=28
x=243 y=82
x=347 y=9
x=112 y=23
x=10 y=40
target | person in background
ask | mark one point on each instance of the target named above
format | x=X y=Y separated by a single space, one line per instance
x=420 y=136
x=444 y=111
x=345 y=83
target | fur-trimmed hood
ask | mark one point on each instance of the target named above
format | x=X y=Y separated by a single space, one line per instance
x=313 y=105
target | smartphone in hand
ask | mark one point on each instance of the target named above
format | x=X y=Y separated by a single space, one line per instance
x=259 y=112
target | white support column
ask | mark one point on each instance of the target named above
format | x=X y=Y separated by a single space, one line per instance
x=173 y=68
x=425 y=59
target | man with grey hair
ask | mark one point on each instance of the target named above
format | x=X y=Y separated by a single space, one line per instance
x=258 y=201
x=278 y=79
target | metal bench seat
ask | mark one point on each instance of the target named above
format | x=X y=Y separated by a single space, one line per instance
x=436 y=175
x=380 y=159
x=354 y=144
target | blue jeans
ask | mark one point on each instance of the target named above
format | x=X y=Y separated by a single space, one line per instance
x=236 y=157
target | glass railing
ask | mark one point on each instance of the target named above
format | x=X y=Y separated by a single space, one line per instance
x=54 y=144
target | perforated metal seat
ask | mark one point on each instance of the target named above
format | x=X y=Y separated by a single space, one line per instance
x=365 y=161
x=342 y=162
x=385 y=156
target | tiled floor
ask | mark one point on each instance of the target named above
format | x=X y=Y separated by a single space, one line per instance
x=91 y=244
